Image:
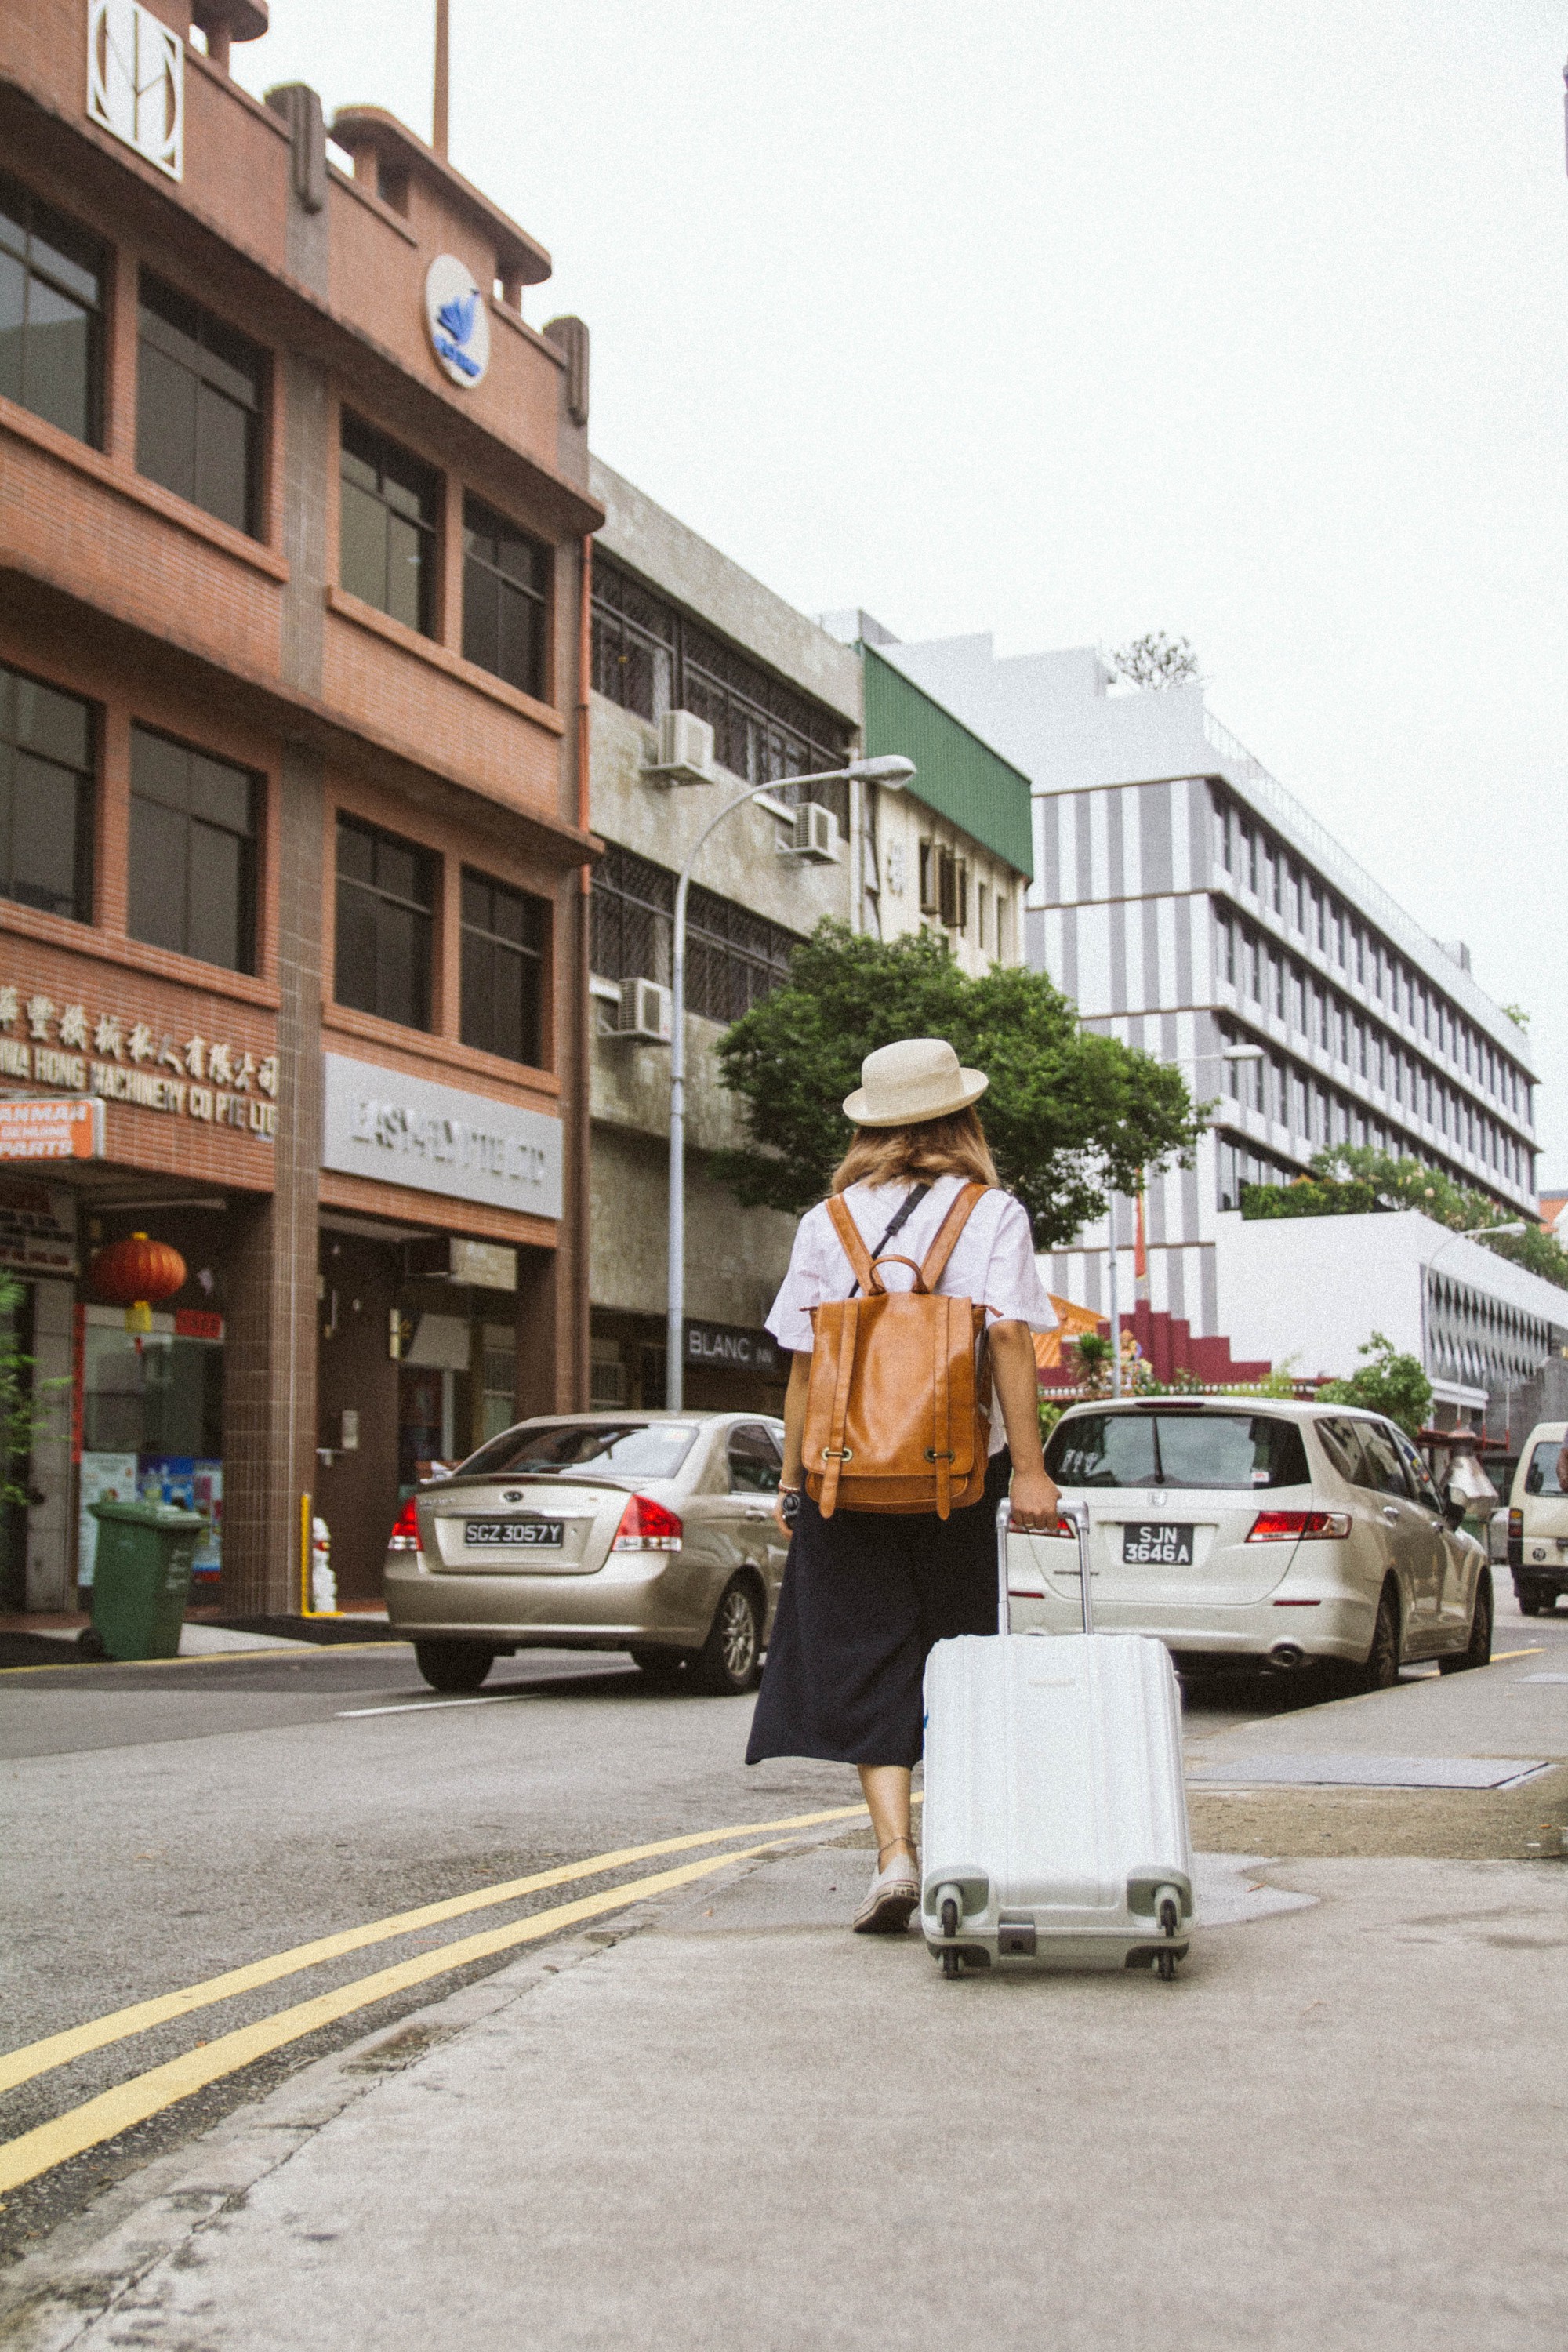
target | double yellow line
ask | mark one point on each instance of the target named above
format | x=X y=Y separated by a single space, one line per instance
x=115 y=2111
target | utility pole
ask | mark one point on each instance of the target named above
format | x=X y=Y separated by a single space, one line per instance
x=443 y=72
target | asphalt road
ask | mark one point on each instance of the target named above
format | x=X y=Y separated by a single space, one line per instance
x=163 y=1824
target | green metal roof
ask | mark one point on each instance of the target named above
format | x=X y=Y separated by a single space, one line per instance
x=960 y=776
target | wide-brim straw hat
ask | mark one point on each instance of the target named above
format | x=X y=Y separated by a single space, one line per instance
x=918 y=1078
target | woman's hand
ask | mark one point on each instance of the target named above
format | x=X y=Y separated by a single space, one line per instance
x=1036 y=1500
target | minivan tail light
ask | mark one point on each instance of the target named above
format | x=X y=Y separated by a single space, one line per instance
x=404 y=1536
x=646 y=1525
x=1290 y=1526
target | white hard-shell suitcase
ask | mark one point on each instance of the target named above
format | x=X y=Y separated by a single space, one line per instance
x=1055 y=1826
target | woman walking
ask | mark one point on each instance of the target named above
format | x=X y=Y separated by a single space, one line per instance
x=865 y=1593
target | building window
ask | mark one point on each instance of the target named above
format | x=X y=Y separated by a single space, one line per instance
x=504 y=931
x=198 y=405
x=650 y=658
x=45 y=798
x=387 y=533
x=734 y=959
x=51 y=305
x=386 y=902
x=929 y=901
x=193 y=852
x=952 y=890
x=506 y=583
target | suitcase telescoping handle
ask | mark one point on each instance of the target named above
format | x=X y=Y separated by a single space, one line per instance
x=1076 y=1515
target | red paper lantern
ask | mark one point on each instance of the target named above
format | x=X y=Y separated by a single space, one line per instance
x=137 y=1273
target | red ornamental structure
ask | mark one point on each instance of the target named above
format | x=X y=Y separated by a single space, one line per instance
x=137 y=1275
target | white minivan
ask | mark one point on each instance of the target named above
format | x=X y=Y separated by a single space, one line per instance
x=1538 y=1521
x=1258 y=1532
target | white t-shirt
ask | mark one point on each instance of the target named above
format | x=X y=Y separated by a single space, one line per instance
x=992 y=1261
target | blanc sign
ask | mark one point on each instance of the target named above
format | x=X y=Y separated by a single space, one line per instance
x=402 y=1131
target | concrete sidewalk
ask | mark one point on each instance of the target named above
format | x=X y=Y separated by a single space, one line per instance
x=733 y=2124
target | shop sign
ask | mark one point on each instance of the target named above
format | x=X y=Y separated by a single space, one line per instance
x=402 y=1131
x=726 y=1348
x=51 y=1130
x=38 y=1225
x=457 y=321
x=121 y=1060
x=136 y=81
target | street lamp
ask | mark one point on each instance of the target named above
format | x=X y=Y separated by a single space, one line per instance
x=892 y=773
x=1184 y=1062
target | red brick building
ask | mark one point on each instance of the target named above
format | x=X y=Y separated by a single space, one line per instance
x=293 y=839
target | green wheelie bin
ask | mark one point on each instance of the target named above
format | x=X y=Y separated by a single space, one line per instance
x=142 y=1579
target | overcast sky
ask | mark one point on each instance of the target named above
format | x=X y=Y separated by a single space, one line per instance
x=1234 y=318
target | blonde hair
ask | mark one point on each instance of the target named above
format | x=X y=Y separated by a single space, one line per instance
x=954 y=1146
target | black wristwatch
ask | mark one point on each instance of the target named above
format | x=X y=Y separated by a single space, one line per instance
x=789 y=1505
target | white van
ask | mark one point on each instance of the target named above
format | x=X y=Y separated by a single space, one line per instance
x=1538 y=1521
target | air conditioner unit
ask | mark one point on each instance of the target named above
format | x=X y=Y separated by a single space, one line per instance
x=816 y=837
x=685 y=749
x=645 y=1012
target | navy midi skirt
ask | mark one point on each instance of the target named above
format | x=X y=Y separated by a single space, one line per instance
x=864 y=1596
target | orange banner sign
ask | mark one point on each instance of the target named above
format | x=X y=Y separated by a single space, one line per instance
x=51 y=1130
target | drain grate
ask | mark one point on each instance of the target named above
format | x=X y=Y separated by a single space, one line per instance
x=1373 y=1772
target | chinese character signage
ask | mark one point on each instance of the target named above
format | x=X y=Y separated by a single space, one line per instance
x=104 y=1052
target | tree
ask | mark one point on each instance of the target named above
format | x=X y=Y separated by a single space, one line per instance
x=1354 y=1181
x=1068 y=1112
x=1388 y=1383
x=1158 y=660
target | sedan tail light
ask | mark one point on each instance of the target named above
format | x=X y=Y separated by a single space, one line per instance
x=404 y=1536
x=1290 y=1526
x=646 y=1525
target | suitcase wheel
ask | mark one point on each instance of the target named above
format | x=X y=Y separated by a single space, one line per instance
x=1170 y=1921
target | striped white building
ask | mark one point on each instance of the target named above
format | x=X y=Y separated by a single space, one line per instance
x=1187 y=902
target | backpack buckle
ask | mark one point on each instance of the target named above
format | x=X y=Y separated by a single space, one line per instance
x=837 y=1454
x=932 y=1456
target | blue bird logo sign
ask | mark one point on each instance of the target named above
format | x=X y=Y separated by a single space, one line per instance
x=456 y=316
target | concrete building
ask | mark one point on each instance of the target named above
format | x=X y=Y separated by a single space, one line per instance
x=953 y=853
x=1188 y=902
x=294 y=506
x=1315 y=1287
x=677 y=627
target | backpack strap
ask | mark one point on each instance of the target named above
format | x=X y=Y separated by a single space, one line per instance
x=951 y=1225
x=835 y=1453
x=848 y=1233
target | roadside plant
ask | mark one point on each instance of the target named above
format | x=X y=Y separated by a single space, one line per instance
x=1068 y=1115
x=1388 y=1382
x=26 y=1410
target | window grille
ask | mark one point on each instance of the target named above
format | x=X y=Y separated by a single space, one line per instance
x=734 y=959
x=650 y=657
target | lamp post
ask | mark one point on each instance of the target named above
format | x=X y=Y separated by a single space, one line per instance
x=1185 y=1062
x=893 y=773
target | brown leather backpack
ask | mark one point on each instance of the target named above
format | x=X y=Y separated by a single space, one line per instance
x=898 y=1412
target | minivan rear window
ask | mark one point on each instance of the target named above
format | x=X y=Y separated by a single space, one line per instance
x=1541 y=1478
x=1244 y=1450
x=621 y=1449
